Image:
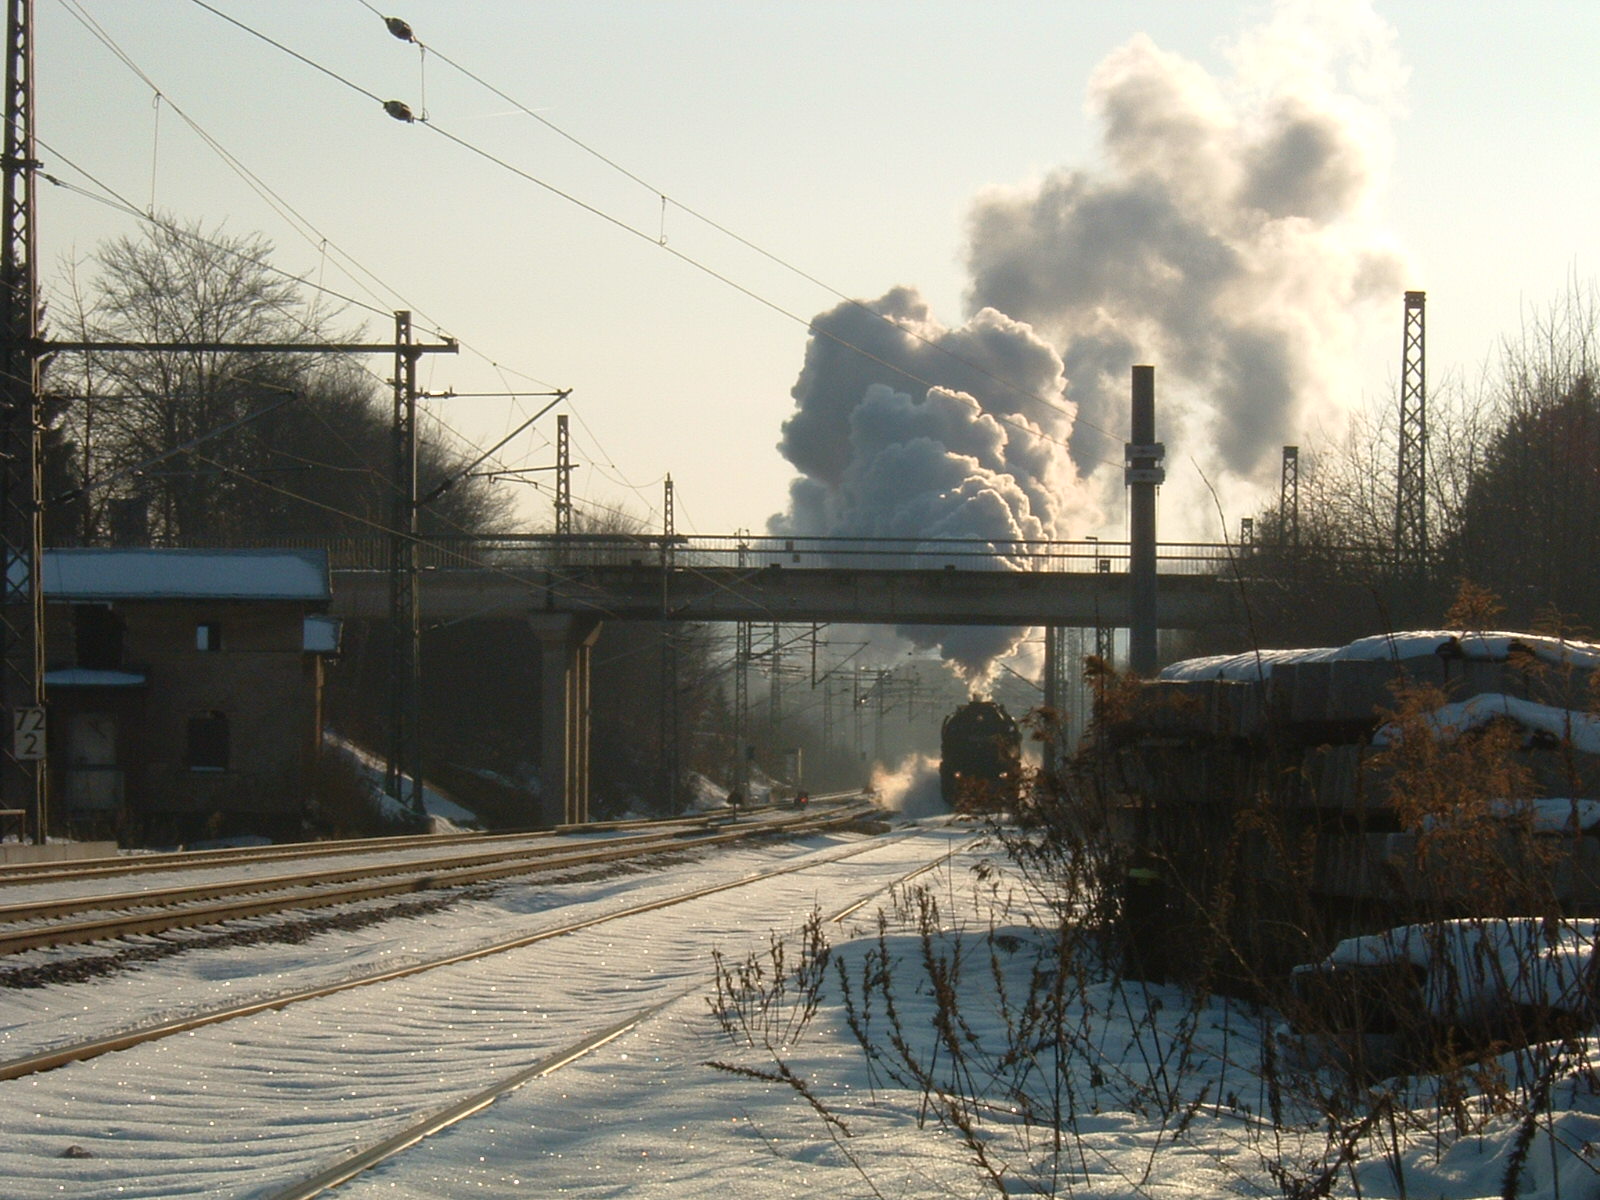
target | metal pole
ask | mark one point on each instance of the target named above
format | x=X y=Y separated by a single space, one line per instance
x=669 y=656
x=25 y=783
x=1143 y=475
x=405 y=700
x=775 y=690
x=564 y=478
x=741 y=708
x=1054 y=716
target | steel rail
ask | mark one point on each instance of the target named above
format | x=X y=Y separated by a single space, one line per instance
x=204 y=860
x=839 y=917
x=33 y=1064
x=209 y=904
x=396 y=1144
x=60 y=871
x=222 y=888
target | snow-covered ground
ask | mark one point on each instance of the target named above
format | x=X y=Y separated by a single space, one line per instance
x=1139 y=1091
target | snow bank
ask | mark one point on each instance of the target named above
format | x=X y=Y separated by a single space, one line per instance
x=1554 y=815
x=1476 y=969
x=444 y=814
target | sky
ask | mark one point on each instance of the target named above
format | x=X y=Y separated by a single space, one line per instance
x=1027 y=196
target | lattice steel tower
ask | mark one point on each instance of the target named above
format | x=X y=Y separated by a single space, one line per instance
x=22 y=765
x=564 y=480
x=1289 y=499
x=670 y=724
x=1411 y=490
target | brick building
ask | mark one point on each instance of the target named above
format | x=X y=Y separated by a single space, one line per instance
x=184 y=690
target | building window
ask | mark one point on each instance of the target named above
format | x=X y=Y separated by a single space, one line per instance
x=208 y=742
x=97 y=630
x=208 y=636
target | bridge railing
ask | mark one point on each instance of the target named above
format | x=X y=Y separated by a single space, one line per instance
x=538 y=550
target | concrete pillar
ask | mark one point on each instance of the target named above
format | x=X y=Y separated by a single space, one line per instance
x=1143 y=474
x=565 y=643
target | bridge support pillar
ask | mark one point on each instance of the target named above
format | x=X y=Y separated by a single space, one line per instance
x=565 y=643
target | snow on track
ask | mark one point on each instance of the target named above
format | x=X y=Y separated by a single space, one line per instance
x=245 y=1108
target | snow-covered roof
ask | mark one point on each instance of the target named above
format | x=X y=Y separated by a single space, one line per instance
x=162 y=574
x=1389 y=647
x=88 y=677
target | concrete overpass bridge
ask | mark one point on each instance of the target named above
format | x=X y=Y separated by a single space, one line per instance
x=566 y=587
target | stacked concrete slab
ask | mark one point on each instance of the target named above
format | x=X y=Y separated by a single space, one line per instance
x=1273 y=762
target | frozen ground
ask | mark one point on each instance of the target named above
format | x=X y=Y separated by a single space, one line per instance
x=1138 y=1092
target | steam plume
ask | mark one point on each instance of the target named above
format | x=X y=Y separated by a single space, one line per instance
x=1229 y=240
x=906 y=429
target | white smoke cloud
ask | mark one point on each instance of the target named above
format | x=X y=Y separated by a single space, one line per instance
x=912 y=788
x=904 y=428
x=1229 y=239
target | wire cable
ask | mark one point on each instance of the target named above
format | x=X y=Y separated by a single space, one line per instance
x=193 y=237
x=274 y=201
x=777 y=260
x=617 y=222
x=361 y=275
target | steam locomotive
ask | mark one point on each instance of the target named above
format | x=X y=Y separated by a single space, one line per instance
x=980 y=768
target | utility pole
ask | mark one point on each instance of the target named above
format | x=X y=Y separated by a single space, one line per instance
x=775 y=687
x=1289 y=501
x=856 y=700
x=669 y=656
x=1054 y=696
x=827 y=717
x=563 y=480
x=741 y=708
x=25 y=782
x=403 y=772
x=741 y=692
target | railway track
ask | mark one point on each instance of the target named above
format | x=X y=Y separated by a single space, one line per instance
x=188 y=860
x=78 y=1052
x=428 y=1124
x=36 y=923
x=512 y=997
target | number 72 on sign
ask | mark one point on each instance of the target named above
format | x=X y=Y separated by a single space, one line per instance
x=27 y=733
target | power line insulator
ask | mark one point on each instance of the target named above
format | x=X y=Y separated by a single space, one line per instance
x=398 y=109
x=400 y=29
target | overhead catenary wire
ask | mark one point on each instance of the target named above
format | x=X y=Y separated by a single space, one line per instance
x=728 y=281
x=409 y=35
x=172 y=228
x=307 y=229
x=403 y=112
x=322 y=242
x=359 y=274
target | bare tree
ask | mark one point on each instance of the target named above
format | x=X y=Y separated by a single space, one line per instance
x=1513 y=474
x=215 y=446
x=1525 y=527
